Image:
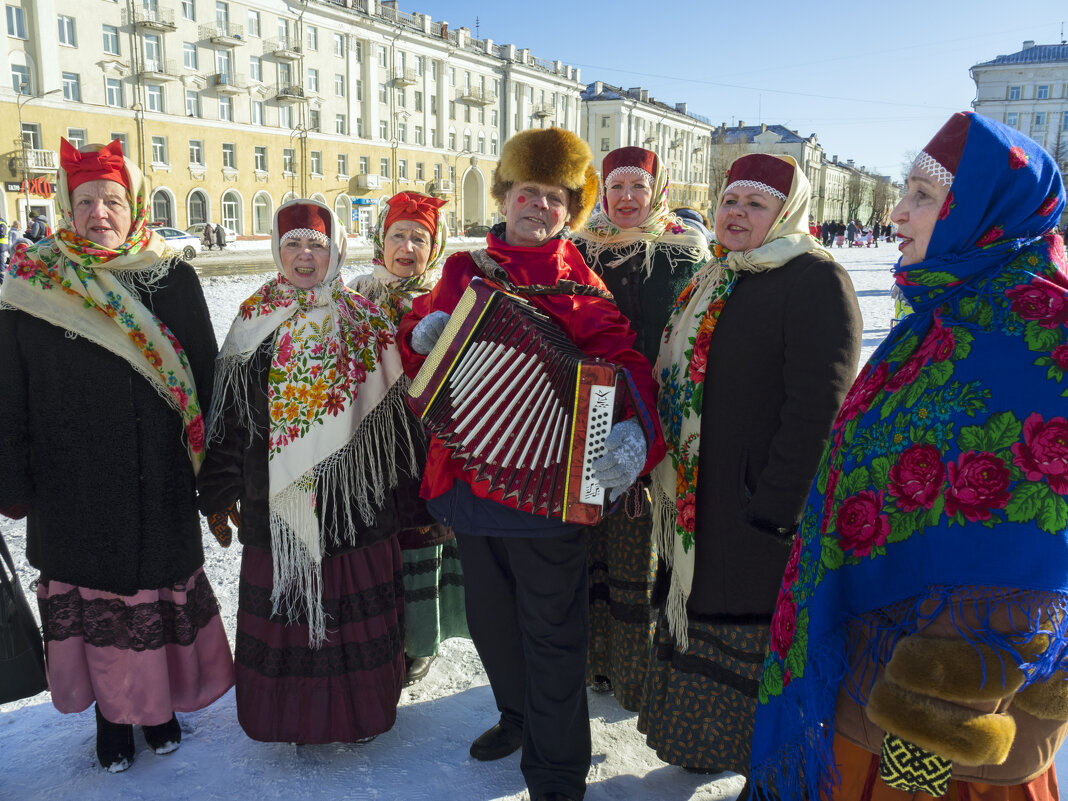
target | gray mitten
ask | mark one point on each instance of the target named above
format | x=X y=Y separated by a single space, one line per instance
x=624 y=455
x=426 y=332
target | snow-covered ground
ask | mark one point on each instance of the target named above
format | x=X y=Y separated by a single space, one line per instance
x=51 y=757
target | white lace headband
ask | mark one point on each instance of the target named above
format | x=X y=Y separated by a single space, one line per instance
x=926 y=162
x=628 y=170
x=310 y=233
x=758 y=185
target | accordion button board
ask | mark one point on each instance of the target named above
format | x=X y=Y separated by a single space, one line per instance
x=506 y=390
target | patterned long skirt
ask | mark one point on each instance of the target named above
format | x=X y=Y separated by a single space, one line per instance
x=622 y=569
x=141 y=657
x=348 y=688
x=699 y=705
x=859 y=772
x=433 y=598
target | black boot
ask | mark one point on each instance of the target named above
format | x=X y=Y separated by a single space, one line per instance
x=417 y=669
x=496 y=742
x=164 y=738
x=114 y=744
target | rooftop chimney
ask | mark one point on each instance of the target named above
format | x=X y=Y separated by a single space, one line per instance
x=1028 y=44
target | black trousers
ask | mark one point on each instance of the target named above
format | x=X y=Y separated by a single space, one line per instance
x=528 y=614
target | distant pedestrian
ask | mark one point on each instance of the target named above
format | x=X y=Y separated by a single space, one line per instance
x=208 y=237
x=38 y=228
x=220 y=236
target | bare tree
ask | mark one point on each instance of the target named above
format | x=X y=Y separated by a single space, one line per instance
x=880 y=201
x=906 y=165
x=719 y=161
x=854 y=195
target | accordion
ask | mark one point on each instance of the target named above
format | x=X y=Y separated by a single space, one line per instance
x=506 y=390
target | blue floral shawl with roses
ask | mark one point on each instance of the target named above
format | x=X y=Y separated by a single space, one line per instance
x=946 y=475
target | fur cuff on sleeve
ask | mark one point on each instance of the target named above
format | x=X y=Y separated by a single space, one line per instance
x=1048 y=701
x=959 y=734
x=953 y=670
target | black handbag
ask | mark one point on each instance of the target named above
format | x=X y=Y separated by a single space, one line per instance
x=22 y=665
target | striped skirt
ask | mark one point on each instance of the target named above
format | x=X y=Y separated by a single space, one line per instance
x=433 y=598
x=347 y=689
x=622 y=568
x=699 y=705
x=141 y=657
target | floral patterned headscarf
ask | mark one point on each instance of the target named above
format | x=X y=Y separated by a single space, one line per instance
x=85 y=288
x=334 y=362
x=945 y=481
x=661 y=230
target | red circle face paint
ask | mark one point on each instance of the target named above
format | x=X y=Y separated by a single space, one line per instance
x=521 y=199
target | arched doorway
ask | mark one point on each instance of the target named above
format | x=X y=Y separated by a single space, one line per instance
x=163 y=207
x=343 y=210
x=231 y=211
x=197 y=207
x=472 y=198
x=261 y=214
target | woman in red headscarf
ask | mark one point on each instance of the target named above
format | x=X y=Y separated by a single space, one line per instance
x=409 y=250
x=106 y=353
x=310 y=433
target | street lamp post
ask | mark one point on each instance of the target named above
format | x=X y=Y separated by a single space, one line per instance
x=24 y=98
x=456 y=204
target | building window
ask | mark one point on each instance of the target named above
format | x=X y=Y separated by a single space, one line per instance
x=229 y=156
x=383 y=57
x=1064 y=122
x=383 y=167
x=159 y=150
x=31 y=135
x=196 y=152
x=342 y=165
x=255 y=68
x=226 y=109
x=420 y=174
x=339 y=45
x=359 y=91
x=72 y=87
x=253 y=23
x=154 y=98
x=437 y=172
x=1012 y=118
x=261 y=158
x=402 y=100
x=122 y=141
x=433 y=105
x=418 y=101
x=452 y=109
x=313 y=38
x=257 y=112
x=261 y=213
x=383 y=129
x=77 y=137
x=314 y=122
x=402 y=132
x=1041 y=93
x=402 y=169
x=16 y=22
x=1040 y=117
x=357 y=51
x=452 y=76
x=493 y=145
x=285 y=117
x=289 y=160
x=383 y=93
x=113 y=88
x=341 y=124
x=339 y=85
x=417 y=64
x=467 y=142
x=481 y=142
x=153 y=53
x=419 y=135
x=190 y=58
x=365 y=165
x=231 y=210
x=313 y=79
x=1014 y=93
x=452 y=140
x=111 y=40
x=606 y=144
x=222 y=14
x=316 y=161
x=189 y=9
x=192 y=103
x=67 y=34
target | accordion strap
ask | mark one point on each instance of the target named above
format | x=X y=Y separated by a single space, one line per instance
x=497 y=274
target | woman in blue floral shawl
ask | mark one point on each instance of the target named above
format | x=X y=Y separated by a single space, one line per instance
x=921 y=631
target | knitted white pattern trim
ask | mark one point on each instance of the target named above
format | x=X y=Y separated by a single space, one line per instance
x=306 y=232
x=628 y=170
x=926 y=162
x=760 y=185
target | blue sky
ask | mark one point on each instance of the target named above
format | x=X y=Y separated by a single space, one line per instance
x=874 y=81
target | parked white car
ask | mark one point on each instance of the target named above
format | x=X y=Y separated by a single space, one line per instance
x=182 y=241
x=197 y=230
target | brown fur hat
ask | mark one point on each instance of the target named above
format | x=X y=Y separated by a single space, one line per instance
x=550 y=156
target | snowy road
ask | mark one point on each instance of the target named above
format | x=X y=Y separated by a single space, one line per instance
x=45 y=756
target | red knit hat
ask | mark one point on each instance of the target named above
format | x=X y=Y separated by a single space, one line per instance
x=106 y=164
x=629 y=159
x=414 y=206
x=762 y=171
x=941 y=157
x=303 y=219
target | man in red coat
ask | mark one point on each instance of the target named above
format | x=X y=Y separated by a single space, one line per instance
x=526 y=573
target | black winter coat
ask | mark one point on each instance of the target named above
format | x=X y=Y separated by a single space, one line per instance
x=236 y=469
x=94 y=452
x=782 y=357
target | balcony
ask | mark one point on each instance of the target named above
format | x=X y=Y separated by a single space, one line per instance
x=543 y=111
x=289 y=94
x=37 y=161
x=159 y=70
x=227 y=83
x=229 y=34
x=476 y=97
x=440 y=186
x=368 y=180
x=405 y=78
x=285 y=48
x=152 y=19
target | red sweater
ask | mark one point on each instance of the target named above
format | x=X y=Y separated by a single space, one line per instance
x=594 y=324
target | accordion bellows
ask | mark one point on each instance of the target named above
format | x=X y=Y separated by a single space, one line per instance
x=506 y=390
